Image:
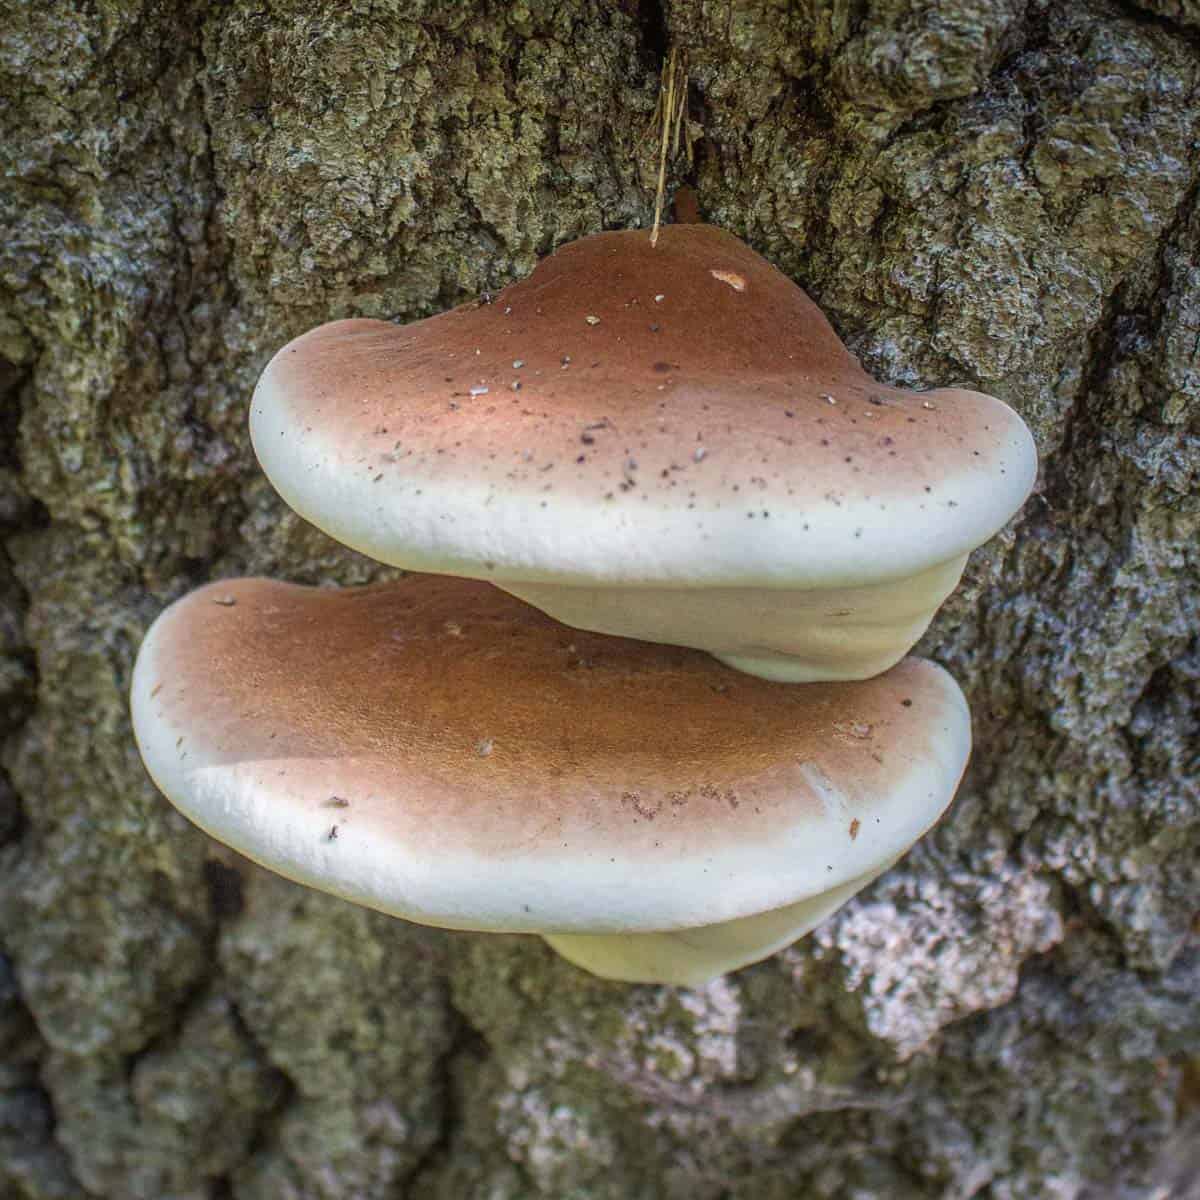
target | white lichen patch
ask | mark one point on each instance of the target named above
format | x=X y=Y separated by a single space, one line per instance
x=716 y=1011
x=558 y=1144
x=924 y=952
x=675 y=1044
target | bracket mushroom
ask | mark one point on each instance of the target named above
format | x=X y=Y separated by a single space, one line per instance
x=437 y=750
x=668 y=443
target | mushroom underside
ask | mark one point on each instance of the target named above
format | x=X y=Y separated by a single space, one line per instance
x=789 y=635
x=696 y=956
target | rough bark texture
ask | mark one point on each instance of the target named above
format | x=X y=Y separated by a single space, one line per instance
x=1000 y=193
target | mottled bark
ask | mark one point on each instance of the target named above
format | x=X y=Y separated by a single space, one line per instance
x=1000 y=193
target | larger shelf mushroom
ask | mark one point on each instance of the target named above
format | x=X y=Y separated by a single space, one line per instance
x=438 y=750
x=668 y=443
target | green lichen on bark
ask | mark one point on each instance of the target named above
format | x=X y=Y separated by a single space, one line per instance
x=1000 y=193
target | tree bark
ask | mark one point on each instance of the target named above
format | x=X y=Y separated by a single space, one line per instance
x=996 y=193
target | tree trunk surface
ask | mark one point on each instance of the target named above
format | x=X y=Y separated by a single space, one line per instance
x=995 y=193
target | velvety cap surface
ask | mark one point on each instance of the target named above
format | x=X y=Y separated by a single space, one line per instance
x=679 y=414
x=436 y=749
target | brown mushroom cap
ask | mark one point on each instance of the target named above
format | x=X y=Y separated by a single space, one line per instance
x=438 y=750
x=685 y=416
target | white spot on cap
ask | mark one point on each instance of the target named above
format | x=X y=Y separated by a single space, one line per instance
x=833 y=799
x=855 y=729
x=735 y=281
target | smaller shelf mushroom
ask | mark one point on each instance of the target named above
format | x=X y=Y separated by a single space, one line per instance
x=668 y=443
x=437 y=750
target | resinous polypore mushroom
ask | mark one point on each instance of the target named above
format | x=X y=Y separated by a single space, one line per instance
x=668 y=443
x=437 y=750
